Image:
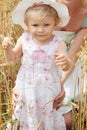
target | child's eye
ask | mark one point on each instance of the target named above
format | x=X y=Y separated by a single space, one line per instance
x=46 y=24
x=35 y=25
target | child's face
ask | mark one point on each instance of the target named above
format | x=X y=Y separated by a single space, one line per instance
x=41 y=30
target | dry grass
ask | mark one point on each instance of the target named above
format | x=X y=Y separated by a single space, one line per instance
x=8 y=71
x=79 y=112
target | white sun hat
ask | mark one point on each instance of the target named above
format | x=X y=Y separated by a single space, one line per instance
x=19 y=11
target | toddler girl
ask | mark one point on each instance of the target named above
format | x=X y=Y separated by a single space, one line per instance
x=39 y=78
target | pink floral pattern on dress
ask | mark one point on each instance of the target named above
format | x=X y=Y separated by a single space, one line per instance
x=39 y=55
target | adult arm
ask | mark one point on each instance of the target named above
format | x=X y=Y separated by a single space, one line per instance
x=59 y=99
x=75 y=48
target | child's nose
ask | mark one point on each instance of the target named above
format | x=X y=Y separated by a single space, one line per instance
x=41 y=29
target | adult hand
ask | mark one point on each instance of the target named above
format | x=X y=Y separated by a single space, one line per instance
x=59 y=99
x=14 y=97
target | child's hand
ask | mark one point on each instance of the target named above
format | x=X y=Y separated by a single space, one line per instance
x=63 y=61
x=15 y=96
x=7 y=42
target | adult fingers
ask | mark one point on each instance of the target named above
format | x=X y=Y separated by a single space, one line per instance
x=59 y=99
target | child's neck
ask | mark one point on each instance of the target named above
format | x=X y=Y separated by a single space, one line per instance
x=43 y=42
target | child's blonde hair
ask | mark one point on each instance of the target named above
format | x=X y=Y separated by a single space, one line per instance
x=43 y=11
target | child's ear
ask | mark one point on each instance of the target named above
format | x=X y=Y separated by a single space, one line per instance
x=57 y=22
x=26 y=22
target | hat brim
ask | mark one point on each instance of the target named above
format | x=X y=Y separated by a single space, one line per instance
x=19 y=12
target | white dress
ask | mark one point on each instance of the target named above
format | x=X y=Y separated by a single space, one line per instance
x=38 y=84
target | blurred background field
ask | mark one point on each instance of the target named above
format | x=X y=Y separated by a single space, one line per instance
x=7 y=70
x=79 y=107
x=8 y=73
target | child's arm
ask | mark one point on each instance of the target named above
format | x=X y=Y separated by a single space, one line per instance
x=12 y=54
x=62 y=58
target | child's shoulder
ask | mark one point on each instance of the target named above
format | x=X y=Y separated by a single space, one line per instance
x=57 y=40
x=24 y=36
x=57 y=36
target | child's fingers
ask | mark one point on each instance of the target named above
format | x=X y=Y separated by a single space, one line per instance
x=14 y=98
x=7 y=42
x=59 y=56
x=56 y=54
x=60 y=61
